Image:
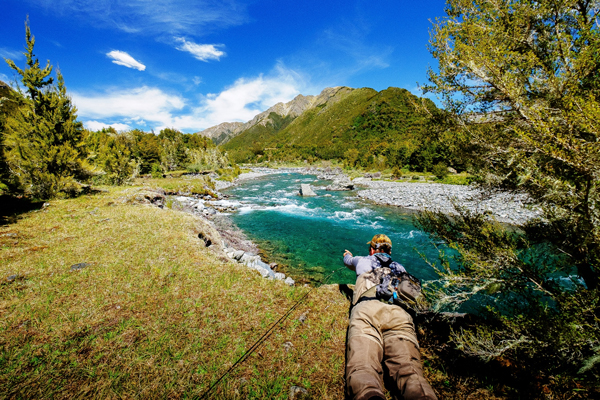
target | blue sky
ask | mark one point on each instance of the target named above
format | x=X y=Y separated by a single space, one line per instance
x=189 y=65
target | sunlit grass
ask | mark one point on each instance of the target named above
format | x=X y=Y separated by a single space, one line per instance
x=155 y=314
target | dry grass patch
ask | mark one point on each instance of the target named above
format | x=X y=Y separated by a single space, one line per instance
x=153 y=314
x=182 y=185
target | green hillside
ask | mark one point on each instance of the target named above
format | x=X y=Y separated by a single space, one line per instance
x=361 y=127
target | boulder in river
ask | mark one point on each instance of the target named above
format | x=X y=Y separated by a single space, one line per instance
x=341 y=184
x=306 y=190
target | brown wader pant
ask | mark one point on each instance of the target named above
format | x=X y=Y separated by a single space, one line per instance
x=377 y=333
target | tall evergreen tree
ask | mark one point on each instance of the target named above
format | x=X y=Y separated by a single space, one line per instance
x=9 y=101
x=44 y=141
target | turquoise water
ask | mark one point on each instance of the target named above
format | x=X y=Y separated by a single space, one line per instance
x=309 y=234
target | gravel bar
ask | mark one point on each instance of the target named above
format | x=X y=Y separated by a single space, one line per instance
x=514 y=209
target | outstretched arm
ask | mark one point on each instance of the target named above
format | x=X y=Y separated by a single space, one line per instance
x=348 y=260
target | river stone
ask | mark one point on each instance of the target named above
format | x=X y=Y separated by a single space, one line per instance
x=262 y=264
x=341 y=185
x=306 y=190
x=238 y=254
x=266 y=273
x=279 y=276
x=247 y=258
x=209 y=211
x=289 y=281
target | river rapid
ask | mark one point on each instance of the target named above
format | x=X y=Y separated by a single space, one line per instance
x=307 y=236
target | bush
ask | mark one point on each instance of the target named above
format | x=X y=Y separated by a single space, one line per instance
x=440 y=170
x=396 y=173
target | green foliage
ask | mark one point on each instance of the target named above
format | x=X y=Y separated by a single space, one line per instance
x=147 y=149
x=351 y=157
x=123 y=156
x=111 y=152
x=384 y=129
x=397 y=173
x=520 y=85
x=43 y=140
x=440 y=170
x=9 y=106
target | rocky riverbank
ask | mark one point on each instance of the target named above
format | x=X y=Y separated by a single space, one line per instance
x=217 y=232
x=514 y=209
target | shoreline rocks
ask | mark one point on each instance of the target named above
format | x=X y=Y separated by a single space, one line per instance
x=236 y=246
x=510 y=208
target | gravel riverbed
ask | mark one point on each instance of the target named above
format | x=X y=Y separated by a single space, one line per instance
x=505 y=207
x=514 y=209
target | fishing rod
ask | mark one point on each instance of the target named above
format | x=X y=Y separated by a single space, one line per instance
x=264 y=337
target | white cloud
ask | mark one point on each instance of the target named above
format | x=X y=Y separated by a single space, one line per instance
x=97 y=125
x=124 y=59
x=171 y=17
x=202 y=52
x=10 y=54
x=4 y=78
x=248 y=97
x=153 y=108
x=143 y=103
x=197 y=80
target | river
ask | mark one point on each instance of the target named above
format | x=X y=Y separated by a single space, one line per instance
x=308 y=235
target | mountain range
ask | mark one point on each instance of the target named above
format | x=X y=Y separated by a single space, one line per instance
x=362 y=127
x=223 y=132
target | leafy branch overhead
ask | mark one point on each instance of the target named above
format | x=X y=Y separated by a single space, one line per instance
x=520 y=84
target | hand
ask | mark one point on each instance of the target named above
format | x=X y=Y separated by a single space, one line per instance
x=347 y=252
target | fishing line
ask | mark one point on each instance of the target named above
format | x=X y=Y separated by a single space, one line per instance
x=265 y=336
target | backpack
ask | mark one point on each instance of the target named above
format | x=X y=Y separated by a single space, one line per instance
x=393 y=284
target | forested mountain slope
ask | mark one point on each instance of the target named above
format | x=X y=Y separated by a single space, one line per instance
x=360 y=126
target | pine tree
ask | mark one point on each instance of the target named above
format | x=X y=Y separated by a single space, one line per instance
x=9 y=101
x=44 y=141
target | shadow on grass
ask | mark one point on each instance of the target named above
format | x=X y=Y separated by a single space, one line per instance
x=11 y=208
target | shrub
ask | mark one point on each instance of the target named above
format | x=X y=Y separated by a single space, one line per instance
x=440 y=170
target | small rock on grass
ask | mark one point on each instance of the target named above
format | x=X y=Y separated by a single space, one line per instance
x=297 y=393
x=79 y=266
x=279 y=276
x=303 y=317
x=289 y=281
x=13 y=278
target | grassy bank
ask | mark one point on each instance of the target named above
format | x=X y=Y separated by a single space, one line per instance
x=155 y=314
x=102 y=297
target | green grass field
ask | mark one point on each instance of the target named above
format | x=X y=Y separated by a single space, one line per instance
x=155 y=314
